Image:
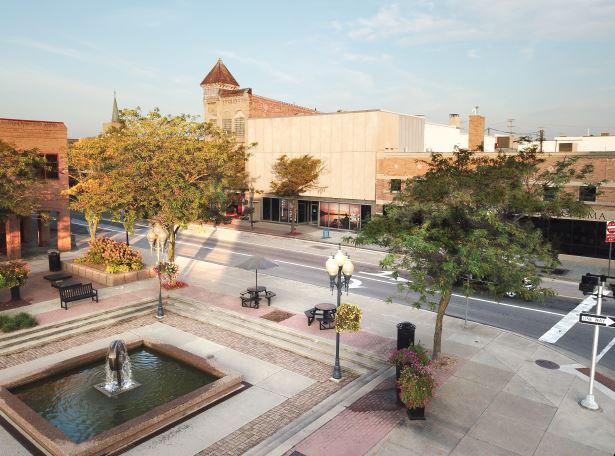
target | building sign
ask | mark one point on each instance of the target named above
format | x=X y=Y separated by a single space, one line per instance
x=610 y=231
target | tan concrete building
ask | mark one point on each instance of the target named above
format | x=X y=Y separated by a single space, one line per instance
x=49 y=227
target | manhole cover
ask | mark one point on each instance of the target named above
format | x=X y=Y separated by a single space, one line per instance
x=547 y=364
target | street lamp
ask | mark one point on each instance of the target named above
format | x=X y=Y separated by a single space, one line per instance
x=340 y=269
x=157 y=238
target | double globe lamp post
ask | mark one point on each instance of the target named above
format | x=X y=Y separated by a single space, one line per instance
x=340 y=269
x=157 y=238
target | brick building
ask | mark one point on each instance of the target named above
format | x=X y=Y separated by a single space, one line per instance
x=229 y=106
x=49 y=227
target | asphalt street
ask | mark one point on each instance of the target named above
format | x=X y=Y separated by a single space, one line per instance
x=532 y=319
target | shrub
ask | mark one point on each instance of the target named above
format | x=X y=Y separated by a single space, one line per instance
x=22 y=320
x=13 y=274
x=348 y=318
x=115 y=256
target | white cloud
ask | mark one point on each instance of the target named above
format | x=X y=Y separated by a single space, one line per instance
x=479 y=20
x=472 y=54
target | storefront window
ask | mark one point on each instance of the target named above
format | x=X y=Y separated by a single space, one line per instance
x=275 y=209
x=266 y=208
x=344 y=216
x=355 y=214
x=283 y=210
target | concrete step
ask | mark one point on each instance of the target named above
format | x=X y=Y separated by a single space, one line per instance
x=26 y=339
x=286 y=338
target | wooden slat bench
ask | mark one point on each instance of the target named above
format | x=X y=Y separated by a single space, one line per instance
x=77 y=292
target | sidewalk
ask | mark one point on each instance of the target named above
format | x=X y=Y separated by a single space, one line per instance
x=496 y=400
x=571 y=269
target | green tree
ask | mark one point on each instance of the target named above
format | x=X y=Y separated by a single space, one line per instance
x=173 y=170
x=468 y=215
x=19 y=180
x=293 y=177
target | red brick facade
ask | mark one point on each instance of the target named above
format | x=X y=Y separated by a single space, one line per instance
x=403 y=166
x=47 y=138
x=266 y=107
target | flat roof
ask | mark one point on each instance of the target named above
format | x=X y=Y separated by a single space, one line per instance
x=318 y=113
x=28 y=120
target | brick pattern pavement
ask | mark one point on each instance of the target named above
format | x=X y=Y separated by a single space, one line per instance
x=359 y=427
x=49 y=349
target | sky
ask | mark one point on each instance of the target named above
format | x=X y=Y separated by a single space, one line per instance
x=543 y=63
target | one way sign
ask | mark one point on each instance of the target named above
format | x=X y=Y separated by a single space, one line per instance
x=599 y=320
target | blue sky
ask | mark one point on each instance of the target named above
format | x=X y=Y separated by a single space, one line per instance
x=544 y=63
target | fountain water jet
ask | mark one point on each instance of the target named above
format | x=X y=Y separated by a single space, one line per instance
x=118 y=371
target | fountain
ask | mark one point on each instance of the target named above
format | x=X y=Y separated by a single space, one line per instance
x=118 y=371
x=61 y=409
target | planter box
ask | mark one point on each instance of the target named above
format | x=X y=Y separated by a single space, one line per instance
x=111 y=280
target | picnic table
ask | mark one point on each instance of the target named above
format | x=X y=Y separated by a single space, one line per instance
x=324 y=312
x=252 y=296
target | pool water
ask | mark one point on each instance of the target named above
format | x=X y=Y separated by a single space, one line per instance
x=70 y=402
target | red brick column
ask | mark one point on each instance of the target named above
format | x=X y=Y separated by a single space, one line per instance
x=64 y=243
x=13 y=237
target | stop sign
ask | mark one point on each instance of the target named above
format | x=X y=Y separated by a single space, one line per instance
x=610 y=231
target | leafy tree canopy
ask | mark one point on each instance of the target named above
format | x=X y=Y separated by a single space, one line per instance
x=171 y=169
x=468 y=215
x=19 y=180
x=295 y=176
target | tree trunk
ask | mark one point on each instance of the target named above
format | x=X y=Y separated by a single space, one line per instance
x=92 y=226
x=171 y=249
x=445 y=298
x=293 y=204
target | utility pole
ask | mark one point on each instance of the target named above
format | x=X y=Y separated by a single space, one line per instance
x=511 y=125
x=542 y=137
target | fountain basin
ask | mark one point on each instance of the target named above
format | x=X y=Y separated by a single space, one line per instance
x=25 y=401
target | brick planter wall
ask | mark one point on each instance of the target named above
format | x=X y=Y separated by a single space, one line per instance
x=111 y=280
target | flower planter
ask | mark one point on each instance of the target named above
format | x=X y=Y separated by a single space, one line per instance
x=15 y=294
x=416 y=414
x=111 y=280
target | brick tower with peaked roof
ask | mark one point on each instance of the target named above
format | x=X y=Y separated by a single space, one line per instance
x=229 y=106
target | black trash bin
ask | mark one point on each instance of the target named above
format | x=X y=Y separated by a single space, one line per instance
x=405 y=334
x=54 y=260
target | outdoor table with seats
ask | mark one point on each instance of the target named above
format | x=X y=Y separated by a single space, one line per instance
x=252 y=296
x=324 y=313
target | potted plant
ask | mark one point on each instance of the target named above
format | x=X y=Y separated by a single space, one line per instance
x=416 y=387
x=412 y=360
x=13 y=274
x=348 y=318
x=167 y=274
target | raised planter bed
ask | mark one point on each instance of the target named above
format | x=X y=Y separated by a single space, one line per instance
x=111 y=280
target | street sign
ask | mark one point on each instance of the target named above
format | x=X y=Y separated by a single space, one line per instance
x=597 y=320
x=610 y=231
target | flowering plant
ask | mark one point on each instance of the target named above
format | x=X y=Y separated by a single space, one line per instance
x=167 y=273
x=415 y=354
x=13 y=274
x=115 y=256
x=348 y=318
x=416 y=381
x=416 y=384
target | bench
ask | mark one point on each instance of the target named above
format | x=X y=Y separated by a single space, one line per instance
x=77 y=292
x=268 y=295
x=248 y=300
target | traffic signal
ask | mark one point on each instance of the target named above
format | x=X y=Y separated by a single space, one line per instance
x=589 y=283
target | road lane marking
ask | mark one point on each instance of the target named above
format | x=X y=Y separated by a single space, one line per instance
x=388 y=282
x=605 y=350
x=571 y=318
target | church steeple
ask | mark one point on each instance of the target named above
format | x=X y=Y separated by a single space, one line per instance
x=115 y=116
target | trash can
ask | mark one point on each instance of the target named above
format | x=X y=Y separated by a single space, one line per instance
x=54 y=260
x=405 y=334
